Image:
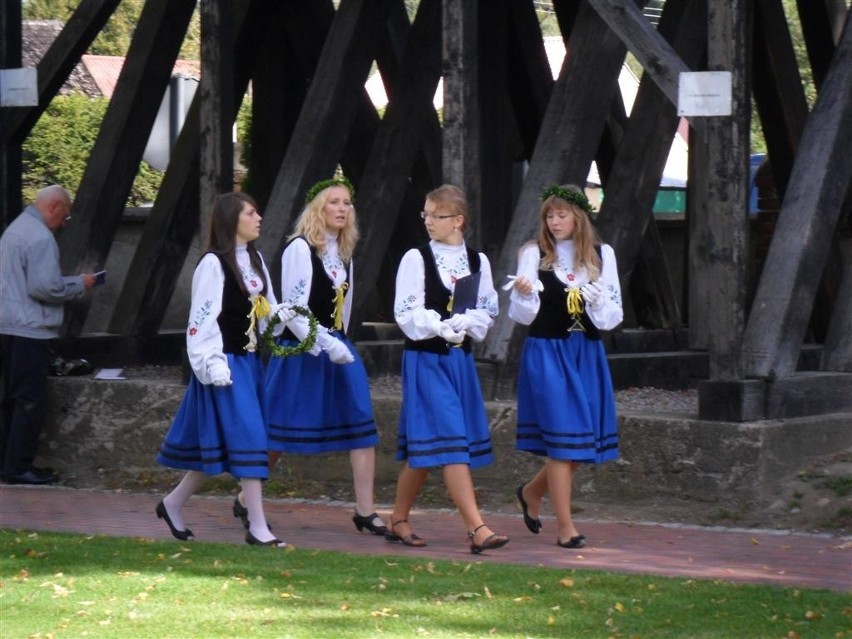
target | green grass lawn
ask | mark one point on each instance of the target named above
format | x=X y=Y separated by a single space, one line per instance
x=56 y=586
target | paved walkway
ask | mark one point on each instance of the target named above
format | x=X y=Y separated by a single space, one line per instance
x=768 y=557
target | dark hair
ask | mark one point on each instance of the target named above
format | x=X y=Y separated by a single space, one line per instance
x=222 y=238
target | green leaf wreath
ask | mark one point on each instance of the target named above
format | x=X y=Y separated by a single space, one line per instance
x=302 y=347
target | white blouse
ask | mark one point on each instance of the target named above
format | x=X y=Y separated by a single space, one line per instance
x=297 y=274
x=203 y=337
x=410 y=312
x=524 y=308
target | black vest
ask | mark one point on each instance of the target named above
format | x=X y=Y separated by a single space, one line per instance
x=553 y=320
x=233 y=320
x=437 y=298
x=322 y=294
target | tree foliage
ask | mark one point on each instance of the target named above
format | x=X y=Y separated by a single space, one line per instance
x=116 y=35
x=56 y=153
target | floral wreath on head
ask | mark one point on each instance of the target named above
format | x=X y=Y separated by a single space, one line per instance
x=320 y=186
x=569 y=195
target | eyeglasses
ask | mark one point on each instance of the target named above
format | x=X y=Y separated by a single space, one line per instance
x=434 y=216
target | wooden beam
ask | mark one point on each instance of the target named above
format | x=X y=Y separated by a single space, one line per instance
x=632 y=186
x=174 y=220
x=822 y=24
x=216 y=117
x=719 y=229
x=529 y=79
x=777 y=88
x=326 y=116
x=461 y=133
x=117 y=152
x=566 y=145
x=837 y=348
x=656 y=55
x=395 y=150
x=10 y=153
x=807 y=221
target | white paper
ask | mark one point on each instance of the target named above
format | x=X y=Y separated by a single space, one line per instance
x=109 y=373
x=18 y=87
x=704 y=93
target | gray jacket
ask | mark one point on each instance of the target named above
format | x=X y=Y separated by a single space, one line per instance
x=32 y=288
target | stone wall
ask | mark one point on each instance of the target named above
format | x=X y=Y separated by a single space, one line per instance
x=97 y=428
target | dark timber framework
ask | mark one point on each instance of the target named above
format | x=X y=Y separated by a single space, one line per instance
x=307 y=63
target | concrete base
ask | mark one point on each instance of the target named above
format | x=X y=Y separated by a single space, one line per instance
x=97 y=428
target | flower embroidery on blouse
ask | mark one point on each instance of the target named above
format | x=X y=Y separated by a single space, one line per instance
x=405 y=305
x=297 y=293
x=333 y=265
x=460 y=268
x=200 y=316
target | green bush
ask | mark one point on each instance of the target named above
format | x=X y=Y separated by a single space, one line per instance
x=59 y=146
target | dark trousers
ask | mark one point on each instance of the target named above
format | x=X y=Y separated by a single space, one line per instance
x=24 y=363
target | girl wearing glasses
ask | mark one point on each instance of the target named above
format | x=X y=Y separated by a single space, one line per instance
x=442 y=422
x=567 y=291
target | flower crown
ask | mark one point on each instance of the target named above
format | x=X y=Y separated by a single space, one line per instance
x=324 y=184
x=569 y=195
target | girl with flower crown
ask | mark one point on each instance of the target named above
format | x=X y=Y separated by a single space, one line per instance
x=220 y=425
x=567 y=291
x=442 y=423
x=329 y=410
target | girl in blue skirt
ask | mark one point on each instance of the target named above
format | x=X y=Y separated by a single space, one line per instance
x=329 y=409
x=442 y=423
x=220 y=425
x=567 y=291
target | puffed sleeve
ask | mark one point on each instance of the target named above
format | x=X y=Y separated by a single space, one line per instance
x=524 y=308
x=296 y=277
x=203 y=338
x=611 y=313
x=409 y=310
x=487 y=305
x=269 y=294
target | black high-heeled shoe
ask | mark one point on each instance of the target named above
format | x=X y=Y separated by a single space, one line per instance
x=533 y=524
x=162 y=513
x=251 y=540
x=362 y=522
x=491 y=542
x=241 y=512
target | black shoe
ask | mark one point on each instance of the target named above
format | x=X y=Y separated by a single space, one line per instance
x=533 y=523
x=34 y=478
x=251 y=540
x=162 y=513
x=241 y=512
x=575 y=542
x=362 y=522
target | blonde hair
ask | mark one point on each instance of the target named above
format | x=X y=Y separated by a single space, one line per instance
x=585 y=235
x=451 y=199
x=311 y=224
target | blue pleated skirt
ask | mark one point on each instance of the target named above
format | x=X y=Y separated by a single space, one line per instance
x=316 y=406
x=566 y=405
x=221 y=429
x=442 y=420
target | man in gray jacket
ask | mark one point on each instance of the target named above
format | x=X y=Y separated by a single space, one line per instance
x=32 y=293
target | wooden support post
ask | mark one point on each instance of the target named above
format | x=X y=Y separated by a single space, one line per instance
x=809 y=214
x=10 y=151
x=461 y=165
x=318 y=141
x=566 y=146
x=174 y=220
x=217 y=108
x=837 y=348
x=719 y=230
x=114 y=162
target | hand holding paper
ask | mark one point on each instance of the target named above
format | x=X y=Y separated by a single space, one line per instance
x=459 y=322
x=449 y=335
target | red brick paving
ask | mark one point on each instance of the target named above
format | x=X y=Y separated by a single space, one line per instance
x=767 y=557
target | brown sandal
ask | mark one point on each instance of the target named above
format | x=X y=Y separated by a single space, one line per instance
x=412 y=539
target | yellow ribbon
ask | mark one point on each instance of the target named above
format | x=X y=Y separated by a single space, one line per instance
x=575 y=308
x=260 y=308
x=450 y=304
x=339 y=298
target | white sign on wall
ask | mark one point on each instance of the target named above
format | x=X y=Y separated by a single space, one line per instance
x=18 y=87
x=704 y=93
